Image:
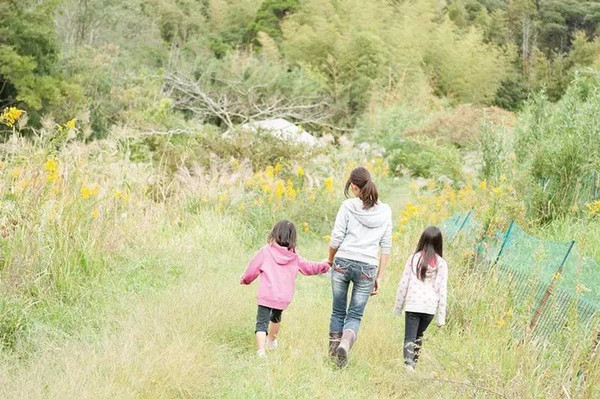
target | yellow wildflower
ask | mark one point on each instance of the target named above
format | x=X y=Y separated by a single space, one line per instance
x=122 y=195
x=16 y=172
x=52 y=167
x=266 y=188
x=279 y=190
x=305 y=227
x=300 y=172
x=10 y=116
x=593 y=207
x=270 y=172
x=89 y=191
x=500 y=322
x=71 y=124
x=327 y=238
x=290 y=192
x=497 y=190
x=278 y=167
x=483 y=185
x=222 y=198
x=95 y=213
x=329 y=185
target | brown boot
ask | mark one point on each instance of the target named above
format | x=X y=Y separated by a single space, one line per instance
x=342 y=353
x=334 y=342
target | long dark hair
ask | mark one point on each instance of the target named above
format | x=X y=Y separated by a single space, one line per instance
x=361 y=178
x=430 y=244
x=284 y=234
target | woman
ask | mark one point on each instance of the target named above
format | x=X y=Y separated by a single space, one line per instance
x=363 y=225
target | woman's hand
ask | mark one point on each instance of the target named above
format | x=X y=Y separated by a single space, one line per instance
x=376 y=287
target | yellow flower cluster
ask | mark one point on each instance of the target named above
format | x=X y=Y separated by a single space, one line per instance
x=272 y=186
x=378 y=167
x=498 y=202
x=121 y=195
x=89 y=191
x=329 y=185
x=593 y=208
x=52 y=168
x=71 y=124
x=10 y=116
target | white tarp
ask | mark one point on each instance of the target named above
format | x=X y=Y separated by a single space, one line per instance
x=283 y=130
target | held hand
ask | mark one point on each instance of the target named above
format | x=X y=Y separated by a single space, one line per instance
x=375 y=287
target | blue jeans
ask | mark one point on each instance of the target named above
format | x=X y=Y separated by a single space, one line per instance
x=362 y=275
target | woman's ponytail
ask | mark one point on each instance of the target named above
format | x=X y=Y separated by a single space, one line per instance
x=361 y=178
x=369 y=195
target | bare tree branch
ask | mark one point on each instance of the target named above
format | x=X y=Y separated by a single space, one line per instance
x=232 y=101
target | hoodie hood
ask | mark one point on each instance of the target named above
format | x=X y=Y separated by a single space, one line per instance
x=281 y=255
x=373 y=217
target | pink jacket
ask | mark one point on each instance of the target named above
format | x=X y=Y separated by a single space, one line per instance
x=277 y=267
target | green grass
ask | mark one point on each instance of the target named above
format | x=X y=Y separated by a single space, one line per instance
x=191 y=335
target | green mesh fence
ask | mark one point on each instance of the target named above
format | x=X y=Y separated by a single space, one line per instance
x=556 y=300
x=459 y=224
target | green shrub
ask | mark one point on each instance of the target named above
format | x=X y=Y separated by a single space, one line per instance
x=13 y=323
x=558 y=147
x=425 y=159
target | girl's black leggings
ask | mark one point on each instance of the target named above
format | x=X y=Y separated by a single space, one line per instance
x=264 y=315
x=415 y=326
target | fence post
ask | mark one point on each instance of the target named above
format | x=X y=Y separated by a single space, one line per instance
x=508 y=231
x=542 y=305
x=462 y=225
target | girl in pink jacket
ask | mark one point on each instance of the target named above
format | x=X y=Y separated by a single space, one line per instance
x=277 y=264
x=422 y=292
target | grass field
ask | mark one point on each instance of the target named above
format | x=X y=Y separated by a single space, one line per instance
x=187 y=332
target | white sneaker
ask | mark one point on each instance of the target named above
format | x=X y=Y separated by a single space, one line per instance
x=408 y=368
x=272 y=344
x=261 y=353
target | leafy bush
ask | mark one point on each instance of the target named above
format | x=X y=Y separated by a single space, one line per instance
x=558 y=146
x=425 y=159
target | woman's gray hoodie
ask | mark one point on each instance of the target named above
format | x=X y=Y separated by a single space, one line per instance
x=358 y=233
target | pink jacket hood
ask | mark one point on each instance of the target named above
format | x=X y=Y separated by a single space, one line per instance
x=281 y=255
x=277 y=267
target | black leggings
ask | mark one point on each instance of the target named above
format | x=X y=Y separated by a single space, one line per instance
x=264 y=315
x=415 y=326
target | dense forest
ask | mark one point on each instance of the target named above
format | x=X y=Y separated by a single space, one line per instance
x=158 y=64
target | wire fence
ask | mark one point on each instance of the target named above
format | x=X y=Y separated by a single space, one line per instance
x=552 y=280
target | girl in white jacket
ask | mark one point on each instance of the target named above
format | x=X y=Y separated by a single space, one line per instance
x=422 y=292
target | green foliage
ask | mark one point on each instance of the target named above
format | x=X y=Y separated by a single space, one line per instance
x=558 y=146
x=466 y=69
x=269 y=17
x=385 y=126
x=29 y=54
x=13 y=323
x=424 y=159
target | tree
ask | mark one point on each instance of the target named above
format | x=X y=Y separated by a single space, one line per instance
x=29 y=55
